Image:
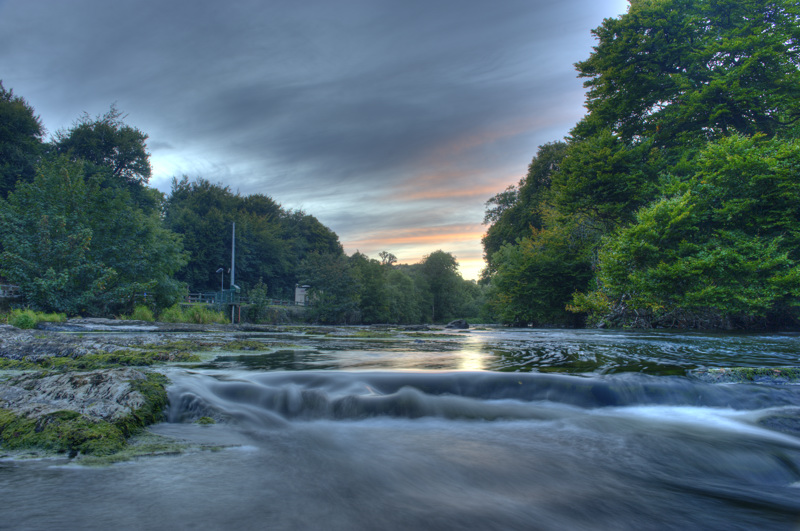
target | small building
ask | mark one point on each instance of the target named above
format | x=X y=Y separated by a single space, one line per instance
x=301 y=295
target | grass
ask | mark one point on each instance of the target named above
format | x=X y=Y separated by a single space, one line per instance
x=192 y=314
x=29 y=318
x=141 y=313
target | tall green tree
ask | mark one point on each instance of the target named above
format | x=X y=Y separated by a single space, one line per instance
x=722 y=251
x=75 y=246
x=537 y=276
x=440 y=270
x=373 y=295
x=106 y=141
x=115 y=154
x=334 y=291
x=675 y=71
x=21 y=134
x=515 y=212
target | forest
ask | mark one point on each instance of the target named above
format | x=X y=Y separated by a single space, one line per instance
x=82 y=233
x=675 y=201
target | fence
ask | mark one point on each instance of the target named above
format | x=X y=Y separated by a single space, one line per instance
x=228 y=296
x=9 y=291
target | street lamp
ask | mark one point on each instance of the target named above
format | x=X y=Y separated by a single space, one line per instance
x=221 y=270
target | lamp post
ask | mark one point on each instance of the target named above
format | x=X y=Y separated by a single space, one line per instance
x=221 y=270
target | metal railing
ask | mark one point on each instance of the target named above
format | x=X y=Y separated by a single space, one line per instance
x=9 y=291
x=227 y=297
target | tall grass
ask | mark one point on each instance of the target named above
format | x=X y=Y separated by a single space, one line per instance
x=192 y=314
x=142 y=313
x=29 y=318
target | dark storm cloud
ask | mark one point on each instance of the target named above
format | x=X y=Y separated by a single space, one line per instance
x=327 y=105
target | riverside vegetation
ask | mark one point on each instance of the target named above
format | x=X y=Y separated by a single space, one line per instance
x=673 y=203
x=81 y=233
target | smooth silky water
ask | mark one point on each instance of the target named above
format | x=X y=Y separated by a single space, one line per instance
x=489 y=429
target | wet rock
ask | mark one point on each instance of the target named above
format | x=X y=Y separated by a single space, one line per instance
x=459 y=324
x=100 y=395
x=98 y=324
x=417 y=328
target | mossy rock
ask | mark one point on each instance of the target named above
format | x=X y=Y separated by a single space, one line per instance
x=774 y=375
x=70 y=432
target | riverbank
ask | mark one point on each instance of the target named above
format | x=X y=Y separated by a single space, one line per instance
x=85 y=386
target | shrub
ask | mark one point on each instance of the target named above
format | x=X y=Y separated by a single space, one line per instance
x=193 y=314
x=202 y=315
x=173 y=314
x=142 y=313
x=29 y=318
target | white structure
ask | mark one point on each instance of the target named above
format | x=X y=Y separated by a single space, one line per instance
x=301 y=295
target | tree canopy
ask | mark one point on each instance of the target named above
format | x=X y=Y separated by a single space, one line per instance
x=674 y=201
x=271 y=242
x=75 y=246
x=21 y=133
x=108 y=142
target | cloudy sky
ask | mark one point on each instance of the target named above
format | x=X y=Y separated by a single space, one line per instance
x=392 y=122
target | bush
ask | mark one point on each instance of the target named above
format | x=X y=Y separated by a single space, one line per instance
x=173 y=314
x=202 y=315
x=193 y=314
x=142 y=313
x=30 y=318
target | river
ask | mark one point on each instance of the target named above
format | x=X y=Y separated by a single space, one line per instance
x=486 y=429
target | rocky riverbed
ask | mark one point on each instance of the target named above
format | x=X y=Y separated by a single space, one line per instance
x=85 y=385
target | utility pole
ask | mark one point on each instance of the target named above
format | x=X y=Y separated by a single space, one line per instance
x=233 y=270
x=233 y=256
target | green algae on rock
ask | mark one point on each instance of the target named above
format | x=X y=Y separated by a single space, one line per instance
x=775 y=375
x=79 y=412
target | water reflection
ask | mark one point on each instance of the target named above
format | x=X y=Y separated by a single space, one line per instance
x=526 y=350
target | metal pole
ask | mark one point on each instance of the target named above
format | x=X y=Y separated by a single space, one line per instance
x=233 y=269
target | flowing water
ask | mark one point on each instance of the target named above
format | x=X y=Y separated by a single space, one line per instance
x=490 y=429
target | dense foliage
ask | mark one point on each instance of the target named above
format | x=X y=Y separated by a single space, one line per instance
x=83 y=234
x=674 y=202
x=77 y=247
x=20 y=141
x=358 y=289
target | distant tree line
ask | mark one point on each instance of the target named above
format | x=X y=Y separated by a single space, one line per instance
x=358 y=289
x=676 y=200
x=81 y=232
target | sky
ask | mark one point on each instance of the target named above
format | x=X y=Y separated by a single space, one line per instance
x=392 y=122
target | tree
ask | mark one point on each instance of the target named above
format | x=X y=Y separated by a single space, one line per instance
x=722 y=251
x=271 y=242
x=106 y=141
x=537 y=276
x=373 y=301
x=387 y=258
x=77 y=247
x=677 y=71
x=406 y=297
x=440 y=270
x=513 y=213
x=335 y=292
x=21 y=134
x=605 y=178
